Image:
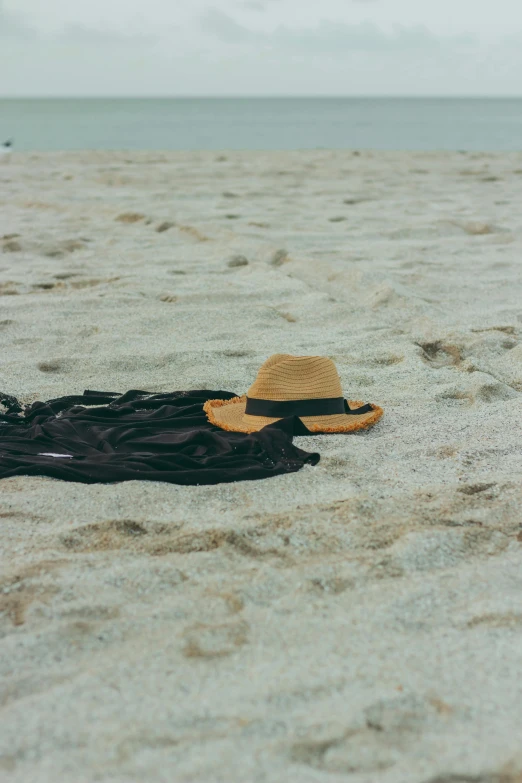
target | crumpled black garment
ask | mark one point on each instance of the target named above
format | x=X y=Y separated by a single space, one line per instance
x=141 y=436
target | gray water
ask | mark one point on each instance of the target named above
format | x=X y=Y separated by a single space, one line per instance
x=263 y=123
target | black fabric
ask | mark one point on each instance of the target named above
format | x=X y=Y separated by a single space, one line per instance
x=137 y=436
x=324 y=406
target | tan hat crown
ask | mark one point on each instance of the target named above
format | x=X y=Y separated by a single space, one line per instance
x=284 y=377
x=303 y=387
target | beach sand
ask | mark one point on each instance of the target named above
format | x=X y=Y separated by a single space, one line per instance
x=360 y=620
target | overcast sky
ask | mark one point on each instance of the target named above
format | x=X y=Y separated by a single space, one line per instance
x=260 y=47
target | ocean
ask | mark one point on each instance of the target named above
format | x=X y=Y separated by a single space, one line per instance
x=263 y=123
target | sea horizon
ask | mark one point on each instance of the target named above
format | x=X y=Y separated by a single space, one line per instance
x=265 y=96
x=409 y=122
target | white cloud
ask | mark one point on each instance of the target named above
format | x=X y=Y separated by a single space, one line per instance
x=256 y=5
x=259 y=47
x=329 y=37
x=81 y=35
x=226 y=29
x=12 y=25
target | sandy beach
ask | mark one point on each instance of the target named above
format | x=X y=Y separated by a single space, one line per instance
x=359 y=620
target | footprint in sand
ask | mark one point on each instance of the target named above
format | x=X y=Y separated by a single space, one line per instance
x=130 y=217
x=9 y=288
x=168 y=298
x=193 y=232
x=65 y=248
x=54 y=365
x=493 y=392
x=165 y=226
x=287 y=316
x=21 y=589
x=496 y=620
x=475 y=489
x=214 y=641
x=439 y=354
x=475 y=228
x=12 y=246
x=47 y=286
x=114 y=534
x=377 y=741
x=279 y=258
x=237 y=260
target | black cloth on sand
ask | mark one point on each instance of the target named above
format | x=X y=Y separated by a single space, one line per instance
x=107 y=437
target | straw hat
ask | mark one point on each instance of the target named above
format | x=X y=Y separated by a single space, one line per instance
x=304 y=386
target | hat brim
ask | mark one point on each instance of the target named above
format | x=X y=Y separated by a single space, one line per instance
x=230 y=415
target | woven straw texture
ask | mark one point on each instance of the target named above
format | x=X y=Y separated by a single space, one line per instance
x=283 y=377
